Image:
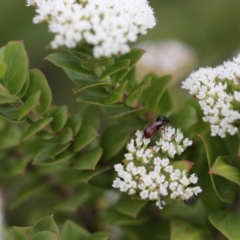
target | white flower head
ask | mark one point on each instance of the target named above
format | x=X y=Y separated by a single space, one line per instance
x=219 y=105
x=107 y=25
x=149 y=175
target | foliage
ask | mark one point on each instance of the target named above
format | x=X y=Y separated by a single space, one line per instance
x=54 y=162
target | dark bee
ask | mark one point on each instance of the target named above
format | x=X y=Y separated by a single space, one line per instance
x=159 y=124
x=190 y=200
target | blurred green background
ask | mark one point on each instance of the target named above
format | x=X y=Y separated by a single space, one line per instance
x=211 y=27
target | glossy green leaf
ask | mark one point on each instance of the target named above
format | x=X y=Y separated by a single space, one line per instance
x=16 y=59
x=85 y=136
x=36 y=127
x=45 y=235
x=185 y=118
x=89 y=85
x=9 y=112
x=66 y=61
x=151 y=96
x=129 y=206
x=96 y=64
x=65 y=136
x=43 y=157
x=183 y=230
x=83 y=52
x=74 y=122
x=58 y=149
x=222 y=168
x=73 y=203
x=182 y=165
x=27 y=192
x=215 y=147
x=3 y=68
x=116 y=67
x=117 y=95
x=59 y=115
x=15 y=234
x=114 y=217
x=99 y=236
x=29 y=105
x=37 y=81
x=121 y=115
x=87 y=175
x=227 y=223
x=96 y=100
x=113 y=140
x=72 y=231
x=134 y=55
x=133 y=98
x=89 y=160
x=45 y=224
x=11 y=136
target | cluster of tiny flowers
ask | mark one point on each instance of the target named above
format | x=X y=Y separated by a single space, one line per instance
x=151 y=177
x=108 y=25
x=166 y=57
x=217 y=90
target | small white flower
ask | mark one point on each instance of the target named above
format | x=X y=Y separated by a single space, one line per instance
x=144 y=194
x=118 y=167
x=108 y=26
x=128 y=156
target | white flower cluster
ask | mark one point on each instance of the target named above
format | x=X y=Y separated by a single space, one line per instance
x=166 y=57
x=151 y=177
x=217 y=90
x=108 y=25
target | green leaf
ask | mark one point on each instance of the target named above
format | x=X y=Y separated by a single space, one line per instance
x=45 y=235
x=9 y=113
x=15 y=234
x=99 y=236
x=96 y=64
x=68 y=62
x=96 y=100
x=182 y=165
x=65 y=136
x=74 y=122
x=45 y=224
x=43 y=157
x=11 y=136
x=89 y=160
x=29 y=105
x=215 y=147
x=133 y=98
x=72 y=231
x=88 y=84
x=223 y=169
x=117 y=95
x=37 y=81
x=183 y=230
x=58 y=149
x=151 y=96
x=16 y=75
x=134 y=55
x=36 y=127
x=113 y=140
x=87 y=175
x=120 y=115
x=27 y=192
x=117 y=218
x=185 y=118
x=227 y=223
x=116 y=67
x=85 y=136
x=59 y=115
x=129 y=206
x=3 y=68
